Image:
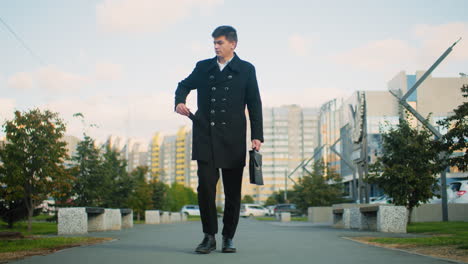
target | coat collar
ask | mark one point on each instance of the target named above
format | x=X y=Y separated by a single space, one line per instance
x=233 y=65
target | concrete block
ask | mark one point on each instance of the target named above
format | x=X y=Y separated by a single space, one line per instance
x=96 y=222
x=338 y=220
x=72 y=221
x=152 y=217
x=285 y=217
x=112 y=219
x=175 y=217
x=369 y=221
x=392 y=219
x=355 y=218
x=127 y=220
x=320 y=214
x=346 y=218
x=165 y=219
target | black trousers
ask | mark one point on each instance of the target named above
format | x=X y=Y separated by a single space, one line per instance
x=208 y=177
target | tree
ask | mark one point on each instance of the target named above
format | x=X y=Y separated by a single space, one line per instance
x=278 y=197
x=91 y=185
x=141 y=196
x=454 y=141
x=33 y=158
x=406 y=170
x=318 y=188
x=118 y=182
x=178 y=196
x=271 y=200
x=247 y=199
x=14 y=211
x=159 y=194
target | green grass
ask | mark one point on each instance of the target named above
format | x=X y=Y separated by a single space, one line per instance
x=299 y=218
x=265 y=218
x=272 y=218
x=43 y=217
x=38 y=228
x=444 y=234
x=40 y=243
x=193 y=218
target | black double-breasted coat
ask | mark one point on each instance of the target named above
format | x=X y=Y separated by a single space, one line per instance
x=219 y=124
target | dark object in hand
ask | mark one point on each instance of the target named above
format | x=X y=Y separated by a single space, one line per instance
x=255 y=167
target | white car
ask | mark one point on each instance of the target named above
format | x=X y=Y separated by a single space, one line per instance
x=253 y=210
x=459 y=192
x=190 y=210
x=384 y=199
x=271 y=210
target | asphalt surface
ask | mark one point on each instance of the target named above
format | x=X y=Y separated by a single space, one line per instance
x=256 y=242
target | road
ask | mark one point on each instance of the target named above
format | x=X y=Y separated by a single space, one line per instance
x=256 y=242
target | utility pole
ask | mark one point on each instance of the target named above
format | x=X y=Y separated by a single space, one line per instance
x=285 y=186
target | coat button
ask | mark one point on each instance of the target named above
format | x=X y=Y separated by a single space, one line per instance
x=224 y=99
x=229 y=76
x=213 y=100
x=212 y=111
x=211 y=77
x=226 y=88
x=223 y=123
x=223 y=111
x=212 y=123
x=213 y=88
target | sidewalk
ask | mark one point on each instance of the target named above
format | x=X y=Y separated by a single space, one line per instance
x=256 y=242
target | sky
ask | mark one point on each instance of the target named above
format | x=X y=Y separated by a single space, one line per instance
x=118 y=62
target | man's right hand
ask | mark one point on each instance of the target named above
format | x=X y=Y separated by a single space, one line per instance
x=182 y=109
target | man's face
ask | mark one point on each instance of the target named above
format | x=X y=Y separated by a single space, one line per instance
x=223 y=47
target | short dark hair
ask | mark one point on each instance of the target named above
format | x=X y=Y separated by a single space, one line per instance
x=227 y=31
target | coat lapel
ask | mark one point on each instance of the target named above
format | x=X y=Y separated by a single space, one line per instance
x=226 y=74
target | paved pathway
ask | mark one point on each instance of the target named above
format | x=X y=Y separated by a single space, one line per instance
x=256 y=242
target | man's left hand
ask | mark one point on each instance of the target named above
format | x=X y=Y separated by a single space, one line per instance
x=256 y=144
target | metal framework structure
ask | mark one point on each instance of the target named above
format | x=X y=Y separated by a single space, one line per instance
x=402 y=101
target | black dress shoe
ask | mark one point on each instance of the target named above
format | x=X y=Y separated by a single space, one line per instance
x=228 y=245
x=207 y=245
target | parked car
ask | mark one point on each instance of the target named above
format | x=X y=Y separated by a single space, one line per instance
x=288 y=208
x=190 y=210
x=384 y=199
x=253 y=210
x=271 y=209
x=459 y=192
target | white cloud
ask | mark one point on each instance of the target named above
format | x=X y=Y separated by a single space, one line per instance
x=299 y=45
x=7 y=107
x=47 y=78
x=391 y=55
x=138 y=115
x=437 y=38
x=21 y=81
x=378 y=55
x=147 y=15
x=54 y=79
x=108 y=71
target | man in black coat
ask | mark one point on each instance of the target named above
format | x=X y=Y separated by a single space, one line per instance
x=225 y=86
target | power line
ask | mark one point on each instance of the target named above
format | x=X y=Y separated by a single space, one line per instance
x=31 y=52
